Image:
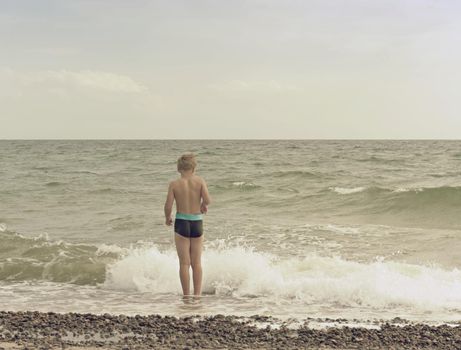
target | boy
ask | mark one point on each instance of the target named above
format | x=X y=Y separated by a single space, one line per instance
x=192 y=199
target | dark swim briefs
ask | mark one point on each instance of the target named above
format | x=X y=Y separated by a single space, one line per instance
x=188 y=225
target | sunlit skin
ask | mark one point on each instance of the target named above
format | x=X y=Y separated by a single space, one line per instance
x=191 y=195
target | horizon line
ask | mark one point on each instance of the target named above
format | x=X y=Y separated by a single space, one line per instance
x=232 y=139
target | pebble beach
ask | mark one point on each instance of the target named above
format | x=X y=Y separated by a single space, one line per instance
x=39 y=330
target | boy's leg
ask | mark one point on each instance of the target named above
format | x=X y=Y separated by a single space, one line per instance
x=196 y=262
x=183 y=249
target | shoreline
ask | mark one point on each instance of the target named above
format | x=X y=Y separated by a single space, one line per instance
x=50 y=330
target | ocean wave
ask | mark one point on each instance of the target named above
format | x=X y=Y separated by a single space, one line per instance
x=345 y=190
x=107 y=190
x=54 y=183
x=441 y=191
x=233 y=269
x=404 y=189
x=244 y=272
x=125 y=222
x=341 y=229
x=381 y=190
x=375 y=159
x=208 y=153
x=85 y=172
x=245 y=185
x=430 y=206
x=444 y=197
x=233 y=186
x=39 y=258
x=295 y=174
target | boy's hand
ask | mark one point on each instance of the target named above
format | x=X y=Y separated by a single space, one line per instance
x=168 y=221
x=203 y=208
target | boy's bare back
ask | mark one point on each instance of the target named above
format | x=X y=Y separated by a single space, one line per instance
x=188 y=192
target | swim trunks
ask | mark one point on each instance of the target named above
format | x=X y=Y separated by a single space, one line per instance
x=188 y=225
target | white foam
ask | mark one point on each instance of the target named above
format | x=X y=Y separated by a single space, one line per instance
x=241 y=272
x=243 y=184
x=344 y=190
x=144 y=269
x=403 y=189
x=335 y=228
x=3 y=227
x=110 y=248
x=42 y=236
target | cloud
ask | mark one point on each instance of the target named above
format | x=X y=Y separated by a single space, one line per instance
x=65 y=79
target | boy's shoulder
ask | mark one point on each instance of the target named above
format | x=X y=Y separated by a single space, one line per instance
x=178 y=180
x=200 y=179
x=173 y=182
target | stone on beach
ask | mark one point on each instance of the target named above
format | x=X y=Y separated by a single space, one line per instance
x=33 y=329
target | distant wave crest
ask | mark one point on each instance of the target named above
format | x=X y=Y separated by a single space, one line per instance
x=244 y=185
x=442 y=191
x=296 y=174
x=344 y=190
x=437 y=206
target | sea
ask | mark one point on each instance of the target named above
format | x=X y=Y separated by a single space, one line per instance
x=353 y=229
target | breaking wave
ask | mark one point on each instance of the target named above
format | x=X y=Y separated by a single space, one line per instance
x=240 y=271
x=233 y=269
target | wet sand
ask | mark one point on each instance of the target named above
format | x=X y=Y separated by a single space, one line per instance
x=38 y=330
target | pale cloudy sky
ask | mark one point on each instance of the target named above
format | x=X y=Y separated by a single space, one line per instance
x=195 y=69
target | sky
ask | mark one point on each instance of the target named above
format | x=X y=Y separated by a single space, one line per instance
x=219 y=69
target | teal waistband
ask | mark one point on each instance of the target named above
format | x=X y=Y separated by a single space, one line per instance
x=188 y=216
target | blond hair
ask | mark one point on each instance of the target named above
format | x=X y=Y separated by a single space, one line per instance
x=187 y=162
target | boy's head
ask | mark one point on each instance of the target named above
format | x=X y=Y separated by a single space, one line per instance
x=187 y=162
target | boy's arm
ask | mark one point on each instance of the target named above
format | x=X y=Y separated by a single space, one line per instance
x=168 y=208
x=206 y=199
